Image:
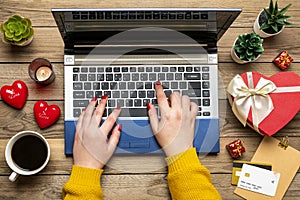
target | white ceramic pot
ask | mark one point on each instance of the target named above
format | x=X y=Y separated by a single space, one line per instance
x=237 y=59
x=261 y=33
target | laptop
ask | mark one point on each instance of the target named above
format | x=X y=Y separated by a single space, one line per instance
x=123 y=52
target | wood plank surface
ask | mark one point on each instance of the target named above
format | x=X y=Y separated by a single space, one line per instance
x=122 y=178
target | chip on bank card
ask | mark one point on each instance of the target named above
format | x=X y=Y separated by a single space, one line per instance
x=258 y=180
x=237 y=168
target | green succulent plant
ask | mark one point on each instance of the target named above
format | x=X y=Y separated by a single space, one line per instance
x=17 y=30
x=275 y=18
x=248 y=46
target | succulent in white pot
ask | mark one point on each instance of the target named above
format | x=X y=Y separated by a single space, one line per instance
x=247 y=48
x=17 y=30
x=271 y=20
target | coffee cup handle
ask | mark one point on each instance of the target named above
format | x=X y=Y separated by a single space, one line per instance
x=13 y=176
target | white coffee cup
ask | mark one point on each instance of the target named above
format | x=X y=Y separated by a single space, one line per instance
x=26 y=153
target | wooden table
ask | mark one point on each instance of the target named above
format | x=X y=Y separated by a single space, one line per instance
x=139 y=182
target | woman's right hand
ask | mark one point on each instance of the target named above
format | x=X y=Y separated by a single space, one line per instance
x=175 y=129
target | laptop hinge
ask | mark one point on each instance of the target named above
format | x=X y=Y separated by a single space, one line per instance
x=212 y=48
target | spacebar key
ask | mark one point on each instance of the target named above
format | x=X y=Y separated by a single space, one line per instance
x=134 y=112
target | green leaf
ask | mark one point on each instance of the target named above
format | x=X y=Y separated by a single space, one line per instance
x=271 y=6
x=283 y=10
x=275 y=27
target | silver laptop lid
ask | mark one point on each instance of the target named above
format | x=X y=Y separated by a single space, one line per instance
x=84 y=27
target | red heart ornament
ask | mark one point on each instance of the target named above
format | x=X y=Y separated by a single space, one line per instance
x=15 y=95
x=45 y=115
x=286 y=104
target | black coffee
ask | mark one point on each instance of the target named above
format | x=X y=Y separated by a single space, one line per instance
x=29 y=152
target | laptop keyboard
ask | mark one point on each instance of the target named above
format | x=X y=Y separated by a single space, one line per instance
x=131 y=87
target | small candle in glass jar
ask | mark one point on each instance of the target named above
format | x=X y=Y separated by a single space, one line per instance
x=41 y=71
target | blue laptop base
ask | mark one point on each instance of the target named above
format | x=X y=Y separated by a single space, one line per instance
x=133 y=140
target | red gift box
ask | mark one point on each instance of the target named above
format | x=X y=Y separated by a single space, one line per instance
x=236 y=148
x=283 y=60
x=266 y=104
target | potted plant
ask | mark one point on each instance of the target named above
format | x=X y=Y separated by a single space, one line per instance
x=247 y=48
x=17 y=30
x=271 y=21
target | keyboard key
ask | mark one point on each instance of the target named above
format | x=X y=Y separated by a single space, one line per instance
x=108 y=69
x=135 y=77
x=161 y=77
x=98 y=94
x=100 y=69
x=172 y=69
x=205 y=85
x=113 y=85
x=117 y=69
x=148 y=69
x=192 y=92
x=197 y=69
x=109 y=77
x=142 y=94
x=104 y=86
x=118 y=77
x=76 y=112
x=152 y=77
x=107 y=93
x=205 y=93
x=111 y=103
x=128 y=102
x=120 y=103
x=90 y=94
x=124 y=69
x=205 y=69
x=80 y=103
x=132 y=69
x=131 y=85
x=206 y=102
x=75 y=77
x=77 y=86
x=100 y=77
x=83 y=77
x=140 y=69
x=156 y=69
x=168 y=93
x=197 y=101
x=148 y=85
x=92 y=77
x=206 y=113
x=116 y=94
x=165 y=69
x=181 y=69
x=124 y=94
x=170 y=76
x=79 y=94
x=87 y=86
x=154 y=102
x=165 y=85
x=139 y=85
x=96 y=86
x=76 y=69
x=144 y=77
x=137 y=102
x=84 y=69
x=178 y=76
x=92 y=69
x=126 y=77
x=133 y=94
x=192 y=76
x=150 y=94
x=194 y=85
x=174 y=85
x=134 y=112
x=122 y=85
x=205 y=76
x=182 y=85
x=189 y=69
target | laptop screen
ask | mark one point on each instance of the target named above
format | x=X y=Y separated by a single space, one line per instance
x=92 y=26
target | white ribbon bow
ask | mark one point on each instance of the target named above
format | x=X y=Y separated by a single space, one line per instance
x=248 y=97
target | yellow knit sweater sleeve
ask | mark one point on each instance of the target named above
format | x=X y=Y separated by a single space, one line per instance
x=84 y=183
x=188 y=179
